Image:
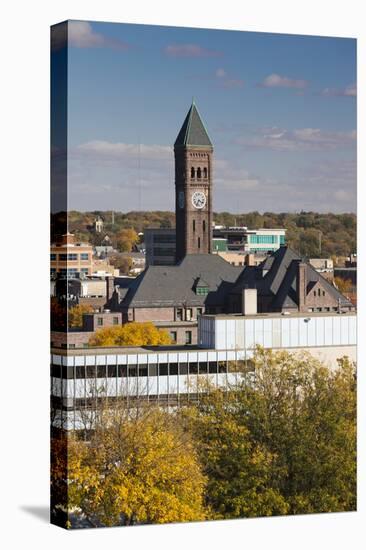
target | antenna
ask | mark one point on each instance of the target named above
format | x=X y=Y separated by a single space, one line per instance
x=139 y=172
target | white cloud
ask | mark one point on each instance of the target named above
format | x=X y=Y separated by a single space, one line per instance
x=189 y=50
x=80 y=34
x=276 y=81
x=105 y=149
x=302 y=139
x=348 y=91
x=226 y=81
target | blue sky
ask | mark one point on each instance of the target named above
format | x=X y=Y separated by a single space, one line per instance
x=280 y=111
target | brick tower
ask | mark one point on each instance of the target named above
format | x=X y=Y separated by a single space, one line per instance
x=193 y=187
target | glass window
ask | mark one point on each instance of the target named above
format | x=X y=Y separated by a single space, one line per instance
x=132 y=371
x=142 y=370
x=153 y=370
x=72 y=257
x=173 y=336
x=53 y=257
x=163 y=369
x=56 y=371
x=62 y=257
x=173 y=368
x=193 y=368
x=101 y=371
x=112 y=371
x=203 y=368
x=100 y=321
x=188 y=314
x=183 y=368
x=84 y=256
x=212 y=367
x=122 y=371
x=188 y=337
x=67 y=372
x=179 y=314
x=80 y=372
x=115 y=320
x=90 y=371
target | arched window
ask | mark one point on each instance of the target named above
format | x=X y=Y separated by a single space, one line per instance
x=204 y=225
x=205 y=173
x=199 y=173
x=192 y=172
x=199 y=242
x=194 y=225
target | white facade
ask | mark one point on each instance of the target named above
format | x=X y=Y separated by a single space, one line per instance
x=278 y=332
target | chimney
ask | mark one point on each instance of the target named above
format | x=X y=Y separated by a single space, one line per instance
x=249 y=259
x=249 y=301
x=110 y=287
x=301 y=286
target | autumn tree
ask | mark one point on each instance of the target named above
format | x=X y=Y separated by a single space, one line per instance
x=344 y=285
x=126 y=240
x=130 y=334
x=75 y=314
x=285 y=442
x=137 y=468
x=123 y=263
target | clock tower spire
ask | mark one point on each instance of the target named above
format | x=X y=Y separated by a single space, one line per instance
x=193 y=187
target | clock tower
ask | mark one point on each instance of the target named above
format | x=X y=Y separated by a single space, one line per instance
x=193 y=187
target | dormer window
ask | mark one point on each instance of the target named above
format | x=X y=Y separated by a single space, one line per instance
x=201 y=287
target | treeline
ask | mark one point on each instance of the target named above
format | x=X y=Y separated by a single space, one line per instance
x=310 y=234
x=282 y=441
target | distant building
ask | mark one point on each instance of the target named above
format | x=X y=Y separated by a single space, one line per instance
x=68 y=257
x=160 y=246
x=99 y=224
x=324 y=266
x=242 y=239
x=160 y=243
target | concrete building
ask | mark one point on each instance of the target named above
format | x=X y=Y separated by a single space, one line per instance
x=173 y=376
x=68 y=257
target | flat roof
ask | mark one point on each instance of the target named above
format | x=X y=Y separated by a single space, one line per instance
x=235 y=316
x=122 y=350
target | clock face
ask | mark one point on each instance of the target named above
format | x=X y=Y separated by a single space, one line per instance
x=199 y=199
x=181 y=199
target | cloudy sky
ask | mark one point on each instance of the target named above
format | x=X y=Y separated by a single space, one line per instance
x=280 y=111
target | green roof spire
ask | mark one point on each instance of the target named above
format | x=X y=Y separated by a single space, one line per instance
x=193 y=132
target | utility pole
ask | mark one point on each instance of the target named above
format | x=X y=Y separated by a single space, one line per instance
x=320 y=242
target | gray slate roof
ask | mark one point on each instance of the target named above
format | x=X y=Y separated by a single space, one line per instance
x=175 y=285
x=277 y=277
x=193 y=132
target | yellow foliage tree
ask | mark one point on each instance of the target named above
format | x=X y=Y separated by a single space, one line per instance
x=126 y=239
x=136 y=469
x=76 y=314
x=130 y=334
x=344 y=285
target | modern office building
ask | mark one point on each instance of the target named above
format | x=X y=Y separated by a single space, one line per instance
x=83 y=378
